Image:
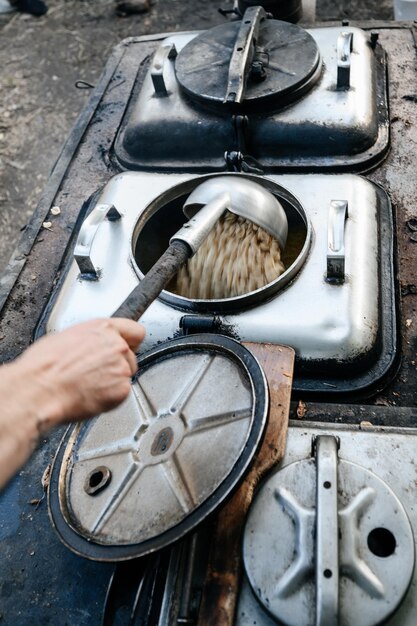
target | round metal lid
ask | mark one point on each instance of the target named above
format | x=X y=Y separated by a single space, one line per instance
x=375 y=552
x=139 y=477
x=284 y=62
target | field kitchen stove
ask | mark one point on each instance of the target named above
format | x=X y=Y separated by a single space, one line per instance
x=191 y=502
x=256 y=95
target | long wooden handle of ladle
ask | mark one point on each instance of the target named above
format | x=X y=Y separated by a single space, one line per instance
x=183 y=245
x=154 y=281
x=243 y=198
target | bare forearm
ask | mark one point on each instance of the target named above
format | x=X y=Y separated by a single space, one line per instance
x=70 y=376
x=26 y=413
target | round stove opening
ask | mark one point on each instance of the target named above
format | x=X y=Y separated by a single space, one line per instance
x=164 y=217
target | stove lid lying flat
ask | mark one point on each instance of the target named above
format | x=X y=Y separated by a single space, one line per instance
x=259 y=88
x=329 y=538
x=137 y=478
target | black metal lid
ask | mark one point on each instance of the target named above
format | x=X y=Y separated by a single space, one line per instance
x=249 y=62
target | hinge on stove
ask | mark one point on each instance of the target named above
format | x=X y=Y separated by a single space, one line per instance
x=239 y=160
x=240 y=125
x=192 y=324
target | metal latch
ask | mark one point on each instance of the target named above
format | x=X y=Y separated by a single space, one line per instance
x=191 y=324
x=240 y=160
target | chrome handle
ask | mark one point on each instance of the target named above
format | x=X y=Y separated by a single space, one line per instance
x=344 y=55
x=327 y=531
x=243 y=54
x=82 y=251
x=157 y=68
x=338 y=214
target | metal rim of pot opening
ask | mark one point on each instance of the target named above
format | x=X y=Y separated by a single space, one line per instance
x=249 y=298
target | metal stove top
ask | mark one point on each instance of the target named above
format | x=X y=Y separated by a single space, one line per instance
x=333 y=304
x=321 y=102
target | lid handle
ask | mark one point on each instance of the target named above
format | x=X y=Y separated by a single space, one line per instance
x=82 y=250
x=327 y=543
x=243 y=54
x=338 y=214
x=157 y=68
x=344 y=58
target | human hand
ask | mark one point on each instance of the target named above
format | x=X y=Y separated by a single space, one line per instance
x=83 y=370
x=70 y=376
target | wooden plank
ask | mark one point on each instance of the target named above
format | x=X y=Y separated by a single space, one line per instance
x=221 y=587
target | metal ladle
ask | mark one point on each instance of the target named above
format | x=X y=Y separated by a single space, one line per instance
x=205 y=205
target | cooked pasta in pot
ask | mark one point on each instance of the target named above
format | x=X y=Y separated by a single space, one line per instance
x=237 y=257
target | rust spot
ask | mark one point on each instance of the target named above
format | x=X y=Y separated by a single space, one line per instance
x=301 y=409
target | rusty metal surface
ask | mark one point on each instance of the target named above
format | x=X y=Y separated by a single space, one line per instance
x=89 y=169
x=398 y=177
x=224 y=568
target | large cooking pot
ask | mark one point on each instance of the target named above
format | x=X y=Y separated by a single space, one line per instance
x=164 y=216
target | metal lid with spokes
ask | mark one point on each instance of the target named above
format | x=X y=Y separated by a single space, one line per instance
x=139 y=477
x=327 y=541
x=249 y=62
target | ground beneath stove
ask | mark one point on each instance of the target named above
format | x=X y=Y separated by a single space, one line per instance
x=42 y=59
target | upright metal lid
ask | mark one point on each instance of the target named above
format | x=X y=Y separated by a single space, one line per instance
x=249 y=62
x=141 y=476
x=328 y=542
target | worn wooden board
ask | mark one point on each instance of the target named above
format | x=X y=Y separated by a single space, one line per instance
x=221 y=587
